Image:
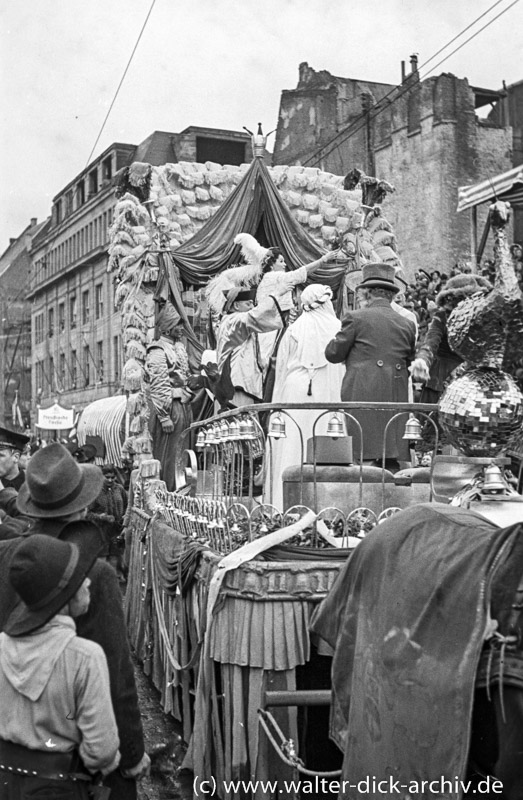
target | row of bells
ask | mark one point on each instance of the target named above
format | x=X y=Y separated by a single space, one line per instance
x=242 y=429
x=336 y=428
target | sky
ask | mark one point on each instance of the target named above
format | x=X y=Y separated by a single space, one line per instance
x=211 y=63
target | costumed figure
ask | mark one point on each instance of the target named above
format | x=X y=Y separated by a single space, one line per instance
x=304 y=375
x=166 y=373
x=267 y=272
x=482 y=408
x=237 y=348
x=435 y=360
x=377 y=345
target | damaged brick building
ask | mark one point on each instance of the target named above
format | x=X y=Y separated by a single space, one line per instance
x=423 y=136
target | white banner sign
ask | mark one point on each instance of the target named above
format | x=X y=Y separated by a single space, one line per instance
x=55 y=418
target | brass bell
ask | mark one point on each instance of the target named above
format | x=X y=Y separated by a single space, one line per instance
x=277 y=427
x=412 y=430
x=217 y=433
x=234 y=429
x=200 y=439
x=224 y=431
x=250 y=429
x=493 y=482
x=335 y=427
x=243 y=429
x=209 y=436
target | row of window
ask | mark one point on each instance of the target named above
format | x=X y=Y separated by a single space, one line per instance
x=39 y=322
x=86 y=188
x=95 y=234
x=74 y=370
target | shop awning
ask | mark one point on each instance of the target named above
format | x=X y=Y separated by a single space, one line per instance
x=508 y=186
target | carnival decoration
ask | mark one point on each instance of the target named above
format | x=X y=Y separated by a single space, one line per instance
x=482 y=408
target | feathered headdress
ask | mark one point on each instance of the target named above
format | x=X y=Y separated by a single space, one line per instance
x=243 y=276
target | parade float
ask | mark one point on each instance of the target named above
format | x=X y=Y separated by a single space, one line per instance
x=222 y=582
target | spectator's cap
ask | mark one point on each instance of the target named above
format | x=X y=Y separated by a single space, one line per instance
x=87 y=452
x=461 y=286
x=56 y=485
x=46 y=573
x=13 y=439
x=378 y=275
x=109 y=469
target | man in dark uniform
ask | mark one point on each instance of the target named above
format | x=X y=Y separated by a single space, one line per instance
x=377 y=345
x=12 y=444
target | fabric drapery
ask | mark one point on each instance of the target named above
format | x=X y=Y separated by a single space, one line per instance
x=255 y=207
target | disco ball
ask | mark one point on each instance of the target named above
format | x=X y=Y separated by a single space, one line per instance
x=481 y=411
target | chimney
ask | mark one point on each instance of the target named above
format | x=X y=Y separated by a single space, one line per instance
x=414 y=63
x=402 y=71
x=12 y=240
x=34 y=221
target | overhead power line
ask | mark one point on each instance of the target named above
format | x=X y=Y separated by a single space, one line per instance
x=121 y=82
x=397 y=92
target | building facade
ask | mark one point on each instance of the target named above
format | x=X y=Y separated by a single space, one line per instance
x=423 y=137
x=75 y=329
x=15 y=330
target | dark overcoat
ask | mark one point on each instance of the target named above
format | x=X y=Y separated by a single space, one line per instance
x=377 y=345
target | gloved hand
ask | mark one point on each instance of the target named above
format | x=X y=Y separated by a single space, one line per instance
x=141 y=770
x=419 y=370
x=167 y=425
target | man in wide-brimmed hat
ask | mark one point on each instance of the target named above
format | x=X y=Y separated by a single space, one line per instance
x=57 y=491
x=57 y=724
x=377 y=345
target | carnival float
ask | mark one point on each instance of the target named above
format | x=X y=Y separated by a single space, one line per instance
x=223 y=582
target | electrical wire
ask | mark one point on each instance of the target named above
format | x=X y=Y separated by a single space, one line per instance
x=357 y=125
x=121 y=82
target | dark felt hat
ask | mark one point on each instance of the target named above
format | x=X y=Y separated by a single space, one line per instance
x=46 y=573
x=378 y=275
x=13 y=439
x=238 y=293
x=57 y=485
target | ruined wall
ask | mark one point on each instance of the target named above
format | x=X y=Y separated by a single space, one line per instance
x=426 y=140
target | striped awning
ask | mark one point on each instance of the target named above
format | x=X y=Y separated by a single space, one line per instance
x=507 y=186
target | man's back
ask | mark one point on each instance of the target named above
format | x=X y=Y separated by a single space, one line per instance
x=104 y=624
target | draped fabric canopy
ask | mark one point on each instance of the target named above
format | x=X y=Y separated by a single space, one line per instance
x=256 y=207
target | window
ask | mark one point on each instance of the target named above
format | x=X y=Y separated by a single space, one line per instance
x=39 y=377
x=107 y=169
x=80 y=194
x=50 y=323
x=72 y=311
x=100 y=361
x=58 y=212
x=116 y=357
x=85 y=307
x=87 y=356
x=62 y=371
x=61 y=316
x=51 y=373
x=99 y=301
x=69 y=202
x=74 y=369
x=93 y=183
x=39 y=328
